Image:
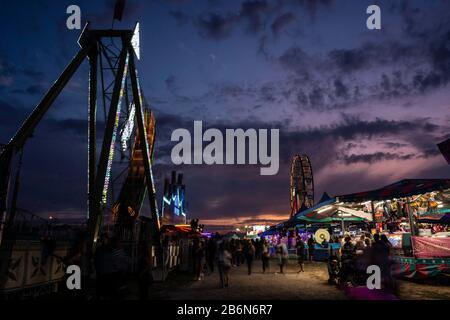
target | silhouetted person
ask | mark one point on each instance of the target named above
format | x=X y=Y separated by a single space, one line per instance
x=224 y=259
x=199 y=259
x=348 y=252
x=265 y=255
x=300 y=246
x=239 y=253
x=283 y=255
x=311 y=243
x=258 y=249
x=211 y=253
x=249 y=255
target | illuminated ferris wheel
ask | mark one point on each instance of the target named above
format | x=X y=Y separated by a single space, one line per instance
x=302 y=184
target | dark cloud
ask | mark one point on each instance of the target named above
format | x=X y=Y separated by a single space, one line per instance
x=252 y=11
x=322 y=144
x=218 y=26
x=313 y=5
x=341 y=90
x=13 y=117
x=282 y=21
x=350 y=59
x=359 y=74
x=439 y=53
x=375 y=157
x=348 y=131
x=35 y=89
x=373 y=54
x=215 y=26
x=395 y=145
x=180 y=17
x=384 y=67
x=295 y=58
x=10 y=69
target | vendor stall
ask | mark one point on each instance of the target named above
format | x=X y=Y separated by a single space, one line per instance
x=414 y=216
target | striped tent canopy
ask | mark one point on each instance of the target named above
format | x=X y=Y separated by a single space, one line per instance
x=403 y=188
x=329 y=216
x=312 y=209
x=441 y=218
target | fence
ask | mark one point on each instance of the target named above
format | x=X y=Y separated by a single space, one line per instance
x=32 y=267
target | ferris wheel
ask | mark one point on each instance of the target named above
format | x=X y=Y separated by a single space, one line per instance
x=302 y=183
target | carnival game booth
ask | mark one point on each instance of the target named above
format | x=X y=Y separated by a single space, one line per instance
x=330 y=218
x=413 y=214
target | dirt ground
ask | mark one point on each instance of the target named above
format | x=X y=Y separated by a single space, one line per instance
x=309 y=285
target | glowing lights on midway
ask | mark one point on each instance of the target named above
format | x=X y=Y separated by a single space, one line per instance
x=177 y=202
x=128 y=128
x=145 y=140
x=114 y=136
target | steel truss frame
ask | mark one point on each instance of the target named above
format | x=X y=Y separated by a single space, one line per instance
x=93 y=49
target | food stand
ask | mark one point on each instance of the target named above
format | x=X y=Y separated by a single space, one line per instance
x=413 y=215
x=329 y=217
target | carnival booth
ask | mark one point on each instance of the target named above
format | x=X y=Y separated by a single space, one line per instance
x=324 y=221
x=327 y=221
x=414 y=214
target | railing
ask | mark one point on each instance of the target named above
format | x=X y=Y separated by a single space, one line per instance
x=27 y=225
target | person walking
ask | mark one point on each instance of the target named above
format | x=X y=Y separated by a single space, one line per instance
x=249 y=255
x=199 y=260
x=232 y=249
x=211 y=253
x=311 y=244
x=283 y=255
x=239 y=253
x=224 y=259
x=265 y=255
x=258 y=249
x=300 y=246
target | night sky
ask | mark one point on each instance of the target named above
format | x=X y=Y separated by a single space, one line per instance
x=367 y=106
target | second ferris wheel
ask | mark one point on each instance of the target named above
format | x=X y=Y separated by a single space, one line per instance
x=302 y=184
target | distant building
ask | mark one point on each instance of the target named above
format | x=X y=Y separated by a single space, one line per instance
x=174 y=202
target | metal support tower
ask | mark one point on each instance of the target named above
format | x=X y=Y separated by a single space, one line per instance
x=93 y=48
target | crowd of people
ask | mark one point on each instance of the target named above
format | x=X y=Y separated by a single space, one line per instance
x=358 y=253
x=346 y=266
x=229 y=253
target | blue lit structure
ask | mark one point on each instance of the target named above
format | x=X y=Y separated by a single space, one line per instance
x=174 y=202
